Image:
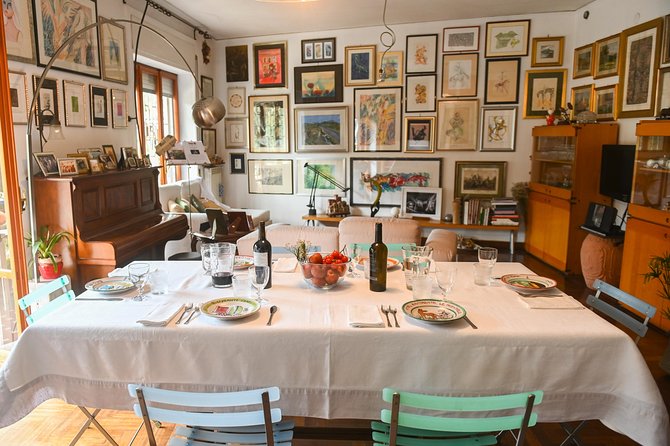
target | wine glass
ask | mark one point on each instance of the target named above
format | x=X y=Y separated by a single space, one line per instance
x=446 y=277
x=258 y=277
x=137 y=274
x=488 y=256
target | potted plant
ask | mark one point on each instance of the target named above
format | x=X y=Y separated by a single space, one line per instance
x=659 y=269
x=49 y=263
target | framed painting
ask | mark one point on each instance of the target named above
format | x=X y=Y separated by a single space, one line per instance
x=663 y=90
x=18 y=17
x=502 y=81
x=421 y=56
x=237 y=100
x=318 y=50
x=208 y=137
x=641 y=51
x=582 y=63
x=74 y=97
x=237 y=165
x=67 y=167
x=457 y=124
x=544 y=90
x=270 y=177
x=333 y=167
x=480 y=178
x=270 y=65
x=547 y=51
x=508 y=38
x=665 y=49
x=236 y=133
x=498 y=129
x=391 y=175
x=604 y=102
x=113 y=53
x=389 y=67
x=606 y=57
x=207 y=86
x=47 y=99
x=18 y=96
x=459 y=74
x=55 y=22
x=419 y=134
x=420 y=90
x=119 y=100
x=322 y=129
x=422 y=202
x=359 y=65
x=460 y=38
x=581 y=99
x=377 y=113
x=108 y=150
x=318 y=84
x=47 y=162
x=237 y=63
x=98 y=97
x=268 y=124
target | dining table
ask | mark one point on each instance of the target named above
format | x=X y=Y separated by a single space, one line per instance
x=328 y=366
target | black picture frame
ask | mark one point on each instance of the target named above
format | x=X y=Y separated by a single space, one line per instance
x=318 y=50
x=501 y=84
x=237 y=63
x=237 y=164
x=326 y=84
x=47 y=98
x=270 y=65
x=99 y=107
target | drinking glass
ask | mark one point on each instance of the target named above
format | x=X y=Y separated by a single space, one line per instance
x=258 y=277
x=205 y=251
x=158 y=282
x=446 y=277
x=137 y=274
x=488 y=256
x=241 y=285
x=353 y=252
x=408 y=252
x=221 y=264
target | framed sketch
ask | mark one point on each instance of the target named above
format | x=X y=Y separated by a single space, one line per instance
x=74 y=96
x=502 y=81
x=270 y=65
x=391 y=175
x=237 y=100
x=98 y=96
x=606 y=57
x=119 y=99
x=422 y=202
x=480 y=178
x=665 y=48
x=508 y=38
x=498 y=129
x=419 y=134
x=582 y=64
x=420 y=90
x=459 y=74
x=460 y=38
x=389 y=67
x=18 y=16
x=271 y=176
x=208 y=137
x=457 y=124
x=18 y=96
x=47 y=162
x=236 y=133
x=333 y=167
x=237 y=63
x=604 y=102
x=581 y=99
x=641 y=50
x=663 y=90
x=108 y=150
x=317 y=84
x=113 y=53
x=207 y=85
x=359 y=65
x=268 y=124
x=421 y=56
x=318 y=50
x=237 y=165
x=544 y=90
x=547 y=51
x=82 y=163
x=377 y=119
x=47 y=99
x=55 y=22
x=67 y=167
x=324 y=129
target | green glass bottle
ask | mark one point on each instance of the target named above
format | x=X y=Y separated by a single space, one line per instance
x=378 y=256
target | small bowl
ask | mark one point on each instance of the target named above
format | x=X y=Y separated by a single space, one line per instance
x=323 y=276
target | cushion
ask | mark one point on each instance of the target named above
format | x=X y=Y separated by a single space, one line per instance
x=167 y=192
x=184 y=204
x=174 y=207
x=197 y=204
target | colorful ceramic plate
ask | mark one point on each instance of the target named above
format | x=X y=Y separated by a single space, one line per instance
x=390 y=263
x=110 y=285
x=433 y=311
x=230 y=308
x=528 y=282
x=242 y=262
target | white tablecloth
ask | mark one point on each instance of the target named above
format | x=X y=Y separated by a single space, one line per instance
x=87 y=352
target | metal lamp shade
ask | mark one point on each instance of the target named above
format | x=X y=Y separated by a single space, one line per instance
x=208 y=111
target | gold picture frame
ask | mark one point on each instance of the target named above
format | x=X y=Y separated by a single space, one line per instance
x=460 y=75
x=543 y=90
x=547 y=51
x=581 y=99
x=606 y=57
x=457 y=124
x=582 y=64
x=604 y=102
x=419 y=134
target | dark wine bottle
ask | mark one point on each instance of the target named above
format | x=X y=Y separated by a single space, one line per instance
x=263 y=252
x=378 y=255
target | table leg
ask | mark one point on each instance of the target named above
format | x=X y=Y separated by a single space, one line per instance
x=511 y=242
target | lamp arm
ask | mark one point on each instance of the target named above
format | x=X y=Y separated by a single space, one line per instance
x=312 y=194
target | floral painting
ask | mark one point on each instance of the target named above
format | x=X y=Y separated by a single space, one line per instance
x=318 y=84
x=377 y=119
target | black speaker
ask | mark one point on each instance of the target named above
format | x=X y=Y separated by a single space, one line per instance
x=601 y=217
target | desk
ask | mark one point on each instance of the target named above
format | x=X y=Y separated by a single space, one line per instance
x=87 y=352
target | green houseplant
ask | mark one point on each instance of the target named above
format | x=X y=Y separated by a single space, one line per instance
x=659 y=269
x=49 y=263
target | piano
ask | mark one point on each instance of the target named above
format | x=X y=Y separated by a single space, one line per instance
x=115 y=216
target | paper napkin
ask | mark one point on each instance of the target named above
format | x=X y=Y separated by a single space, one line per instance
x=364 y=316
x=285 y=265
x=161 y=315
x=562 y=302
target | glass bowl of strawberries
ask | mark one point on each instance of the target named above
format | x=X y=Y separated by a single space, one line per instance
x=325 y=271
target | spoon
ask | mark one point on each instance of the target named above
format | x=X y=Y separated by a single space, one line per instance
x=187 y=308
x=273 y=310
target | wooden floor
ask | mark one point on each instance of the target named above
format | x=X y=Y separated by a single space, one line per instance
x=54 y=423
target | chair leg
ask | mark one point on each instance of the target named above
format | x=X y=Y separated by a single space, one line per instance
x=572 y=433
x=91 y=420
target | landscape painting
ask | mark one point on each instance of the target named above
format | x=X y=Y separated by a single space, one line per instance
x=322 y=129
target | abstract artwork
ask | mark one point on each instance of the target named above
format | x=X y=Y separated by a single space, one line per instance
x=377 y=122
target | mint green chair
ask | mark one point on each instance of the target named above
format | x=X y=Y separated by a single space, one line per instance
x=395 y=249
x=461 y=426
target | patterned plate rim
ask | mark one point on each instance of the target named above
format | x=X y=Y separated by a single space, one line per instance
x=91 y=285
x=454 y=306
x=390 y=262
x=249 y=262
x=551 y=283
x=255 y=307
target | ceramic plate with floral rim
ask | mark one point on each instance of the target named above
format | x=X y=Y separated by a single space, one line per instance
x=433 y=311
x=242 y=262
x=390 y=262
x=527 y=282
x=230 y=308
x=110 y=285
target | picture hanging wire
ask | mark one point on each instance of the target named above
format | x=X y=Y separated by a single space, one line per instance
x=390 y=35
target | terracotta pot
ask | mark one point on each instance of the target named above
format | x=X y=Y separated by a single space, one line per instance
x=47 y=270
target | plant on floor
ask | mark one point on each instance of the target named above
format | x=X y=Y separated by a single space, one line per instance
x=659 y=269
x=49 y=263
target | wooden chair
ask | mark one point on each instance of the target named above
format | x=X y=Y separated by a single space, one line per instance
x=202 y=421
x=221 y=227
x=461 y=426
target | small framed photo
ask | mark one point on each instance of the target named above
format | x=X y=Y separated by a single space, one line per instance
x=581 y=99
x=359 y=65
x=502 y=81
x=547 y=51
x=606 y=57
x=582 y=65
x=318 y=50
x=498 y=129
x=377 y=119
x=237 y=101
x=421 y=93
x=237 y=165
x=236 y=133
x=271 y=176
x=99 y=116
x=457 y=124
x=107 y=162
x=108 y=150
x=268 y=124
x=131 y=163
x=237 y=63
x=459 y=39
x=208 y=137
x=419 y=134
x=92 y=153
x=270 y=65
x=322 y=129
x=18 y=96
x=67 y=167
x=96 y=166
x=128 y=154
x=74 y=94
x=113 y=54
x=480 y=178
x=604 y=102
x=82 y=163
x=422 y=202
x=459 y=74
x=663 y=92
x=507 y=38
x=119 y=108
x=47 y=162
x=318 y=84
x=389 y=67
x=421 y=56
x=544 y=90
x=207 y=85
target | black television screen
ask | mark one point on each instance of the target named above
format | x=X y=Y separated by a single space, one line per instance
x=616 y=171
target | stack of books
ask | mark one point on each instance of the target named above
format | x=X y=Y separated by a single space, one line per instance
x=476 y=211
x=504 y=212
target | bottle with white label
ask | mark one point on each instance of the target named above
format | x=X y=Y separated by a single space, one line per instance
x=263 y=252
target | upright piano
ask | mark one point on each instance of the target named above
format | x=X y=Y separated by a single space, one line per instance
x=115 y=216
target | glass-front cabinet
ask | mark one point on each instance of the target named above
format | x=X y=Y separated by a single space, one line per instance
x=553 y=158
x=651 y=186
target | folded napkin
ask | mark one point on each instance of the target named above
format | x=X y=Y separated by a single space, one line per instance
x=285 y=265
x=562 y=302
x=364 y=316
x=161 y=315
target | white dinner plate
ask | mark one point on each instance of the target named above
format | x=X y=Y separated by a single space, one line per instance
x=528 y=282
x=242 y=262
x=110 y=285
x=433 y=311
x=230 y=308
x=390 y=263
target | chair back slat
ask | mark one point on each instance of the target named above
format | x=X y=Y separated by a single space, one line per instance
x=228 y=419
x=643 y=307
x=65 y=295
x=204 y=399
x=394 y=249
x=50 y=307
x=61 y=283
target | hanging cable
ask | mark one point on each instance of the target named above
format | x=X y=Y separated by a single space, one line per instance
x=137 y=46
x=390 y=34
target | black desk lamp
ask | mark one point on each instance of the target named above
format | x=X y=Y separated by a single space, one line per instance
x=318 y=174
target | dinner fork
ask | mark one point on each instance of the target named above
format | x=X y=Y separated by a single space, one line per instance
x=386 y=313
x=394 y=311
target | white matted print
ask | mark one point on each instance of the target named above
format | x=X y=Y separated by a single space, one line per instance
x=498 y=129
x=457 y=124
x=18 y=19
x=270 y=176
x=237 y=101
x=119 y=108
x=423 y=202
x=18 y=97
x=74 y=96
x=461 y=38
x=420 y=90
x=421 y=54
x=335 y=168
x=324 y=129
x=236 y=133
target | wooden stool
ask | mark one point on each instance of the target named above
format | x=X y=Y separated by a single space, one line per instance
x=601 y=259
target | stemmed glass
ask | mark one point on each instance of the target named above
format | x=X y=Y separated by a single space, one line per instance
x=446 y=277
x=137 y=274
x=258 y=277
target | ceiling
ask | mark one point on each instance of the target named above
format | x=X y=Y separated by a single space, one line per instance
x=229 y=19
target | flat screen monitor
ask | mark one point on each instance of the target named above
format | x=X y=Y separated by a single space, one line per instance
x=616 y=171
